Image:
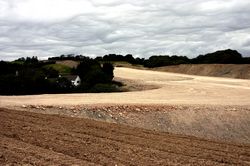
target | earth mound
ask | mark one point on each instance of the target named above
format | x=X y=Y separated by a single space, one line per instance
x=241 y=71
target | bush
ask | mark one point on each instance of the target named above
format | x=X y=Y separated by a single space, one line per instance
x=108 y=69
x=91 y=72
x=96 y=76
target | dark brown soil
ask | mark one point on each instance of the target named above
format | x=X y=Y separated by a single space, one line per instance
x=40 y=139
x=222 y=123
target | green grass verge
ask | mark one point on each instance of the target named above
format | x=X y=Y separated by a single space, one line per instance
x=62 y=69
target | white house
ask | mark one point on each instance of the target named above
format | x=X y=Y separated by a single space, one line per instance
x=76 y=81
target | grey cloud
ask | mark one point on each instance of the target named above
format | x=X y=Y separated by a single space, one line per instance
x=142 y=28
x=247 y=42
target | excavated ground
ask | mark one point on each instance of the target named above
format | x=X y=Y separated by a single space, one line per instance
x=39 y=139
x=176 y=119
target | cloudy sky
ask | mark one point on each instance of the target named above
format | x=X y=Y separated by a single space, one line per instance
x=143 y=28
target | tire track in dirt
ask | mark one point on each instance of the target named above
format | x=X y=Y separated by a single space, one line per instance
x=24 y=152
x=88 y=141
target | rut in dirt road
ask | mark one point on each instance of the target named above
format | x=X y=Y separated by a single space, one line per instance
x=40 y=139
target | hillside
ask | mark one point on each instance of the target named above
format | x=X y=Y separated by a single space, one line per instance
x=216 y=70
x=69 y=63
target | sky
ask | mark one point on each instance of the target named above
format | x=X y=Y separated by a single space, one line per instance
x=46 y=28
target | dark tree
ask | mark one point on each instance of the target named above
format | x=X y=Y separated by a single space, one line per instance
x=85 y=66
x=220 y=57
x=108 y=69
x=91 y=72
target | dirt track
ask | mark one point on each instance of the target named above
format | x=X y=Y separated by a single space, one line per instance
x=30 y=138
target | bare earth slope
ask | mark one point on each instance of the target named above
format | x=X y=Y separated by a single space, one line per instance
x=216 y=70
x=68 y=63
x=172 y=89
x=36 y=139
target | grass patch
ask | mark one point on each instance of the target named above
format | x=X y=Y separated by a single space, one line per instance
x=17 y=62
x=62 y=69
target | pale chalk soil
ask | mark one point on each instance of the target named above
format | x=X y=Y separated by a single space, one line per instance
x=172 y=89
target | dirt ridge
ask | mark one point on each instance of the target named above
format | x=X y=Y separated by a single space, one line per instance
x=241 y=71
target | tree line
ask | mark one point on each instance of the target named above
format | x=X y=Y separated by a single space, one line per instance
x=219 y=57
x=27 y=76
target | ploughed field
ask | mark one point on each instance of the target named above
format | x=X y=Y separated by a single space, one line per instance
x=40 y=139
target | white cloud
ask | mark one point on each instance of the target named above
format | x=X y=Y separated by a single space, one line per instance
x=43 y=10
x=144 y=27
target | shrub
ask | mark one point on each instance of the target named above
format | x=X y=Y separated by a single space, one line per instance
x=91 y=72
